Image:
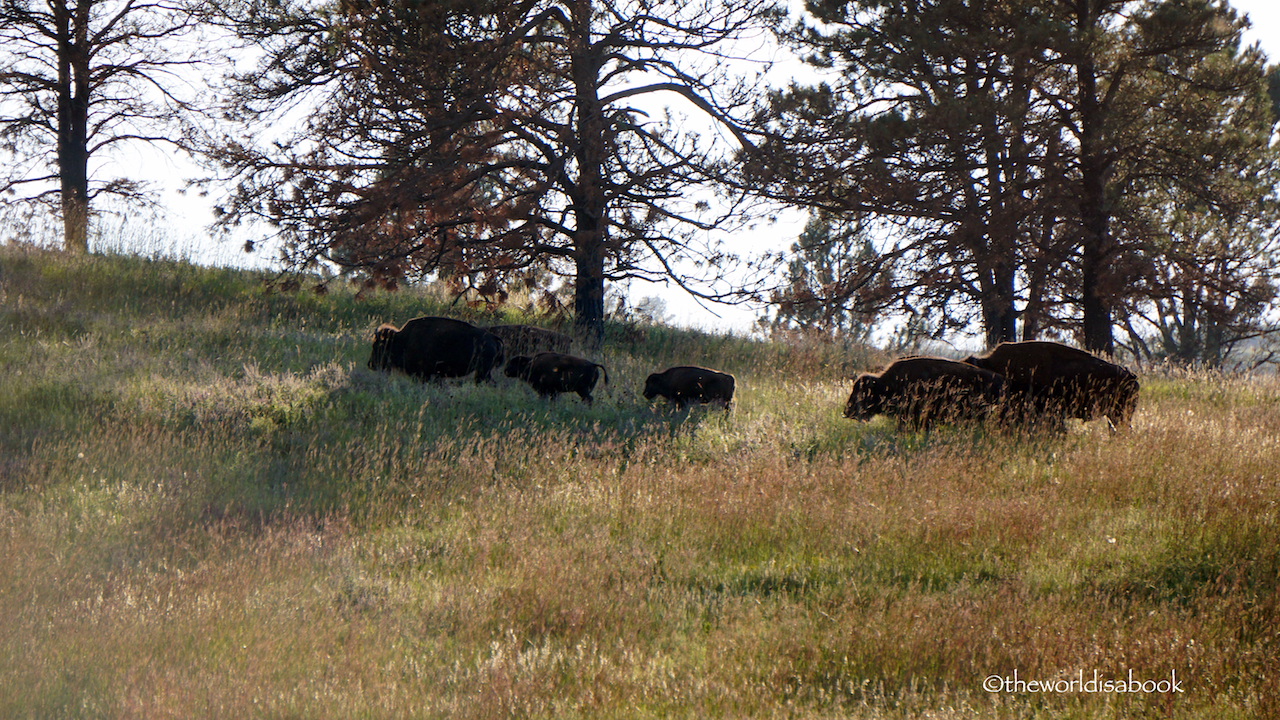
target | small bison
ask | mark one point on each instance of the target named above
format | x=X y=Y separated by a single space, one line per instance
x=430 y=347
x=920 y=391
x=552 y=373
x=1065 y=382
x=530 y=340
x=687 y=384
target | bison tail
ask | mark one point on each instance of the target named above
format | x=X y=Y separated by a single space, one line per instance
x=604 y=372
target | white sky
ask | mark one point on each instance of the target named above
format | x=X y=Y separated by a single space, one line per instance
x=189 y=216
x=1265 y=15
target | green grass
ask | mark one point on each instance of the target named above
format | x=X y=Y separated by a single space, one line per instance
x=210 y=508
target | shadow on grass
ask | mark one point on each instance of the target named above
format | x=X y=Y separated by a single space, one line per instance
x=1209 y=562
x=455 y=409
x=882 y=437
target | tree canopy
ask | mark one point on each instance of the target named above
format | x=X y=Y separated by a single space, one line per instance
x=1015 y=147
x=486 y=140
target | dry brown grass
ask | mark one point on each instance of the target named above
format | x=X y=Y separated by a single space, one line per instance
x=233 y=536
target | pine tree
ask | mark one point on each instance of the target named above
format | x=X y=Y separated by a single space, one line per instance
x=493 y=138
x=1010 y=146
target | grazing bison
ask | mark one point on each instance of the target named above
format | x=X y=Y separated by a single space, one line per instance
x=552 y=373
x=920 y=391
x=529 y=340
x=429 y=347
x=687 y=384
x=1065 y=382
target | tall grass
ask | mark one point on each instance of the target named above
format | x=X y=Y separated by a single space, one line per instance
x=210 y=508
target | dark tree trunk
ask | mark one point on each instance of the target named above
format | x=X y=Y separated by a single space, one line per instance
x=1095 y=236
x=998 y=301
x=1095 y=305
x=999 y=286
x=591 y=204
x=1097 y=286
x=1033 y=314
x=1040 y=265
x=588 y=293
x=1003 y=325
x=73 y=125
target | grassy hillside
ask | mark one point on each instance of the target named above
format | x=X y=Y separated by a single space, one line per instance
x=210 y=508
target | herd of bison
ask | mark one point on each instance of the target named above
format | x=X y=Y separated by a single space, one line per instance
x=1034 y=383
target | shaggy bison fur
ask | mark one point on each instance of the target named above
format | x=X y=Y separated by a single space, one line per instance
x=920 y=391
x=687 y=384
x=530 y=340
x=552 y=373
x=430 y=347
x=1065 y=382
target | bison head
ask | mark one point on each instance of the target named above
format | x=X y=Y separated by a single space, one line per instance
x=867 y=399
x=380 y=359
x=653 y=386
x=495 y=351
x=518 y=367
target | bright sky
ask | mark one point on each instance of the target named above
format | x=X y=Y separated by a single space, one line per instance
x=1265 y=15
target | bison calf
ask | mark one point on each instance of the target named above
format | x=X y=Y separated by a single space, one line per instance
x=1064 y=382
x=920 y=391
x=551 y=373
x=429 y=347
x=687 y=384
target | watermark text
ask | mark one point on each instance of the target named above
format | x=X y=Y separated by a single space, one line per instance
x=1081 y=684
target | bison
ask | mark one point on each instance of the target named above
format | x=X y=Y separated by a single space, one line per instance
x=430 y=347
x=551 y=373
x=687 y=384
x=1065 y=382
x=920 y=391
x=529 y=340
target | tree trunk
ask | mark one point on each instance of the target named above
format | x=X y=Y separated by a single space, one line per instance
x=1095 y=237
x=75 y=220
x=1039 y=269
x=1006 y=319
x=588 y=293
x=1095 y=305
x=1040 y=262
x=1097 y=279
x=73 y=124
x=999 y=286
x=999 y=309
x=591 y=204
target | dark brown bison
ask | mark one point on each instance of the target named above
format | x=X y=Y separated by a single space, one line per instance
x=430 y=347
x=920 y=391
x=552 y=373
x=1065 y=382
x=530 y=340
x=687 y=384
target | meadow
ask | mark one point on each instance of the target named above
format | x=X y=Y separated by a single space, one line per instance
x=210 y=508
